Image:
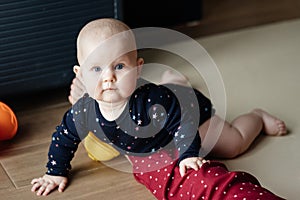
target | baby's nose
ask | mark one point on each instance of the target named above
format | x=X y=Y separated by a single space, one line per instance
x=109 y=76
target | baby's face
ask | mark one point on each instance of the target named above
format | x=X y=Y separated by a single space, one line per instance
x=109 y=71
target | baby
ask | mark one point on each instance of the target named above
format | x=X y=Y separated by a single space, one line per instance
x=158 y=127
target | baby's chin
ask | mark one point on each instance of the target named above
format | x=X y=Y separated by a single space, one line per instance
x=112 y=100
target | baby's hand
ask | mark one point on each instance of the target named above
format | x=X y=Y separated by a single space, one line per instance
x=190 y=163
x=77 y=88
x=44 y=185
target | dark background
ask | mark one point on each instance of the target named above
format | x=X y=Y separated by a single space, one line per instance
x=38 y=38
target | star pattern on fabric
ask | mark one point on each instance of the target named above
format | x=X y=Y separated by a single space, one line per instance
x=166 y=181
x=53 y=162
x=176 y=134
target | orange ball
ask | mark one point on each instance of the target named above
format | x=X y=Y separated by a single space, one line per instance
x=8 y=122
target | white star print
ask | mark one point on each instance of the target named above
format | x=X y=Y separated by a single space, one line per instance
x=154 y=116
x=53 y=162
x=176 y=134
x=139 y=122
x=65 y=131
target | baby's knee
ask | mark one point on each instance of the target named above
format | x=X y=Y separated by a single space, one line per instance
x=233 y=150
x=227 y=150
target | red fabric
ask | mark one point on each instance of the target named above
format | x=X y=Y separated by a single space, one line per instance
x=213 y=181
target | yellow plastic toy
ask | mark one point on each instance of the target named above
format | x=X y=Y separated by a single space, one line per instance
x=98 y=150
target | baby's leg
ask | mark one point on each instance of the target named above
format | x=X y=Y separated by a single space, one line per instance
x=237 y=136
x=212 y=181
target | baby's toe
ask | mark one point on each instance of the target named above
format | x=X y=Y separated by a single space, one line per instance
x=281 y=128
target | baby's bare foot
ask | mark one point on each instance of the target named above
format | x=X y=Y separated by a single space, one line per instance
x=272 y=125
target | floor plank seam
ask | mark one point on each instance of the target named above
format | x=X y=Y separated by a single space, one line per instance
x=46 y=108
x=20 y=148
x=7 y=174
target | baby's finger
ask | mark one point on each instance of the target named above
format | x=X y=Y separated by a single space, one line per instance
x=49 y=188
x=76 y=92
x=73 y=98
x=70 y=98
x=194 y=165
x=200 y=163
x=42 y=189
x=62 y=186
x=37 y=183
x=182 y=170
x=35 y=180
x=35 y=187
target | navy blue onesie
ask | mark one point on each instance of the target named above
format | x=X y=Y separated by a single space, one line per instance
x=156 y=117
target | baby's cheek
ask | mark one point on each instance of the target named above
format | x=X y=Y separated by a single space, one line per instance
x=92 y=88
x=91 y=84
x=127 y=90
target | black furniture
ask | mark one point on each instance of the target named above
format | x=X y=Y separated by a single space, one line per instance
x=38 y=37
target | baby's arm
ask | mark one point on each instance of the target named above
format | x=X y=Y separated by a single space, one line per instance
x=189 y=159
x=44 y=185
x=64 y=144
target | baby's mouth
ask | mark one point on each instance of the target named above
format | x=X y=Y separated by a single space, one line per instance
x=108 y=89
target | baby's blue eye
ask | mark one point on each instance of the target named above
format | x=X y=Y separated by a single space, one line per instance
x=97 y=69
x=119 y=66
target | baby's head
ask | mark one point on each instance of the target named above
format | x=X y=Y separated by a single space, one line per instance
x=99 y=33
x=107 y=55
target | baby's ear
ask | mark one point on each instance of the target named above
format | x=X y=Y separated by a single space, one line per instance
x=140 y=62
x=76 y=69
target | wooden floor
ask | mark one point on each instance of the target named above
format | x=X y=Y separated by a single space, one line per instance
x=25 y=156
